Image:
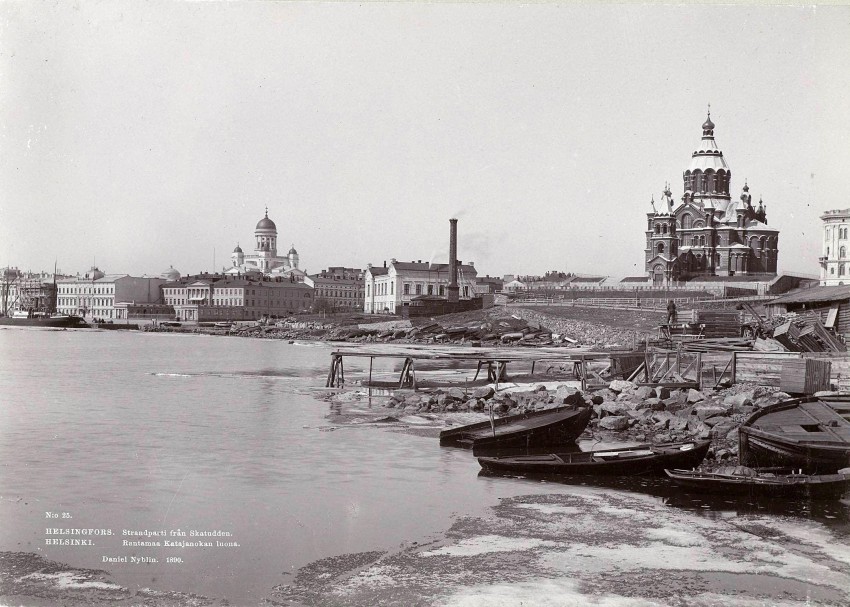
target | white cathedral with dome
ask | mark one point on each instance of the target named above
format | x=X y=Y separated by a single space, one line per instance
x=265 y=258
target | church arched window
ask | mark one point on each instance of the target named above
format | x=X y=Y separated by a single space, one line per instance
x=842 y=252
x=842 y=269
x=686 y=221
x=660 y=247
x=657 y=229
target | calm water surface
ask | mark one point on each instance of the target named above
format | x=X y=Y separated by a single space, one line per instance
x=143 y=431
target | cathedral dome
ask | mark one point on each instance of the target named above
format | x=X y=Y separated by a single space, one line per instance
x=171 y=274
x=266 y=224
x=292 y=250
x=238 y=249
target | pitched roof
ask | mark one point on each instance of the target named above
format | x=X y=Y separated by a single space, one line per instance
x=814 y=294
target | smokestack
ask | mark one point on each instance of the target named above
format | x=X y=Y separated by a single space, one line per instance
x=452 y=293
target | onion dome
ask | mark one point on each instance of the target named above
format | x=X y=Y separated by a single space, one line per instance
x=265 y=223
x=708 y=156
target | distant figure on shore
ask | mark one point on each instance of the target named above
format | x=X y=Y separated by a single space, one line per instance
x=671 y=312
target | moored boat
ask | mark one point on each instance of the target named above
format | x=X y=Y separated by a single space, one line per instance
x=759 y=483
x=803 y=433
x=553 y=427
x=626 y=461
x=40 y=319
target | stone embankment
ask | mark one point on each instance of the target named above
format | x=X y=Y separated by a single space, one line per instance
x=489 y=328
x=622 y=412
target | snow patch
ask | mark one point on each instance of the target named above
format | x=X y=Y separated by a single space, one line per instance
x=484 y=544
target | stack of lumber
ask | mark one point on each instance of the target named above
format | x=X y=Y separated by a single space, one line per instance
x=719 y=344
x=807 y=334
x=718 y=323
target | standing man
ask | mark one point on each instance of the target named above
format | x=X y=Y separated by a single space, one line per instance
x=671 y=312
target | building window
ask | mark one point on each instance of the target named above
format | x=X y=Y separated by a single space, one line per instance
x=686 y=221
x=660 y=247
x=841 y=269
x=842 y=252
x=442 y=290
x=407 y=288
x=430 y=289
x=418 y=289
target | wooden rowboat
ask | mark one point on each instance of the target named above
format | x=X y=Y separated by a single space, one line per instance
x=805 y=433
x=758 y=483
x=630 y=461
x=549 y=427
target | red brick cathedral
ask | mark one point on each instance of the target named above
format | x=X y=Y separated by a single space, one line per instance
x=708 y=233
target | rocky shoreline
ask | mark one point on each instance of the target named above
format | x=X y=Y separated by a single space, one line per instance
x=622 y=412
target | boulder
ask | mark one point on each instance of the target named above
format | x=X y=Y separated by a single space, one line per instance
x=618 y=423
x=563 y=393
x=739 y=400
x=695 y=396
x=621 y=385
x=662 y=392
x=483 y=392
x=614 y=409
x=678 y=424
x=658 y=405
x=723 y=428
x=456 y=394
x=713 y=421
x=706 y=411
x=644 y=392
x=596 y=399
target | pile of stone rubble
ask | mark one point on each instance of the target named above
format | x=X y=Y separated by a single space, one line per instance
x=622 y=411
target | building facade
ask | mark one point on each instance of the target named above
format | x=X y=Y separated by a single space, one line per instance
x=338 y=289
x=216 y=297
x=834 y=259
x=708 y=233
x=96 y=294
x=394 y=286
x=264 y=259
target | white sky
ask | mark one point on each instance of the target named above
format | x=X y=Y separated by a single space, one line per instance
x=143 y=135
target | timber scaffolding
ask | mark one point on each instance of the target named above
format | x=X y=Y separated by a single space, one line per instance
x=793 y=372
x=594 y=370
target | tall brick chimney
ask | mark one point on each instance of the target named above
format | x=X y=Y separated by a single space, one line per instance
x=452 y=292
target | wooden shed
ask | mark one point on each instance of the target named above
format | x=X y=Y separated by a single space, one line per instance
x=830 y=304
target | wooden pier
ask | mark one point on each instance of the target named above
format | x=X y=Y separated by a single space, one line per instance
x=495 y=362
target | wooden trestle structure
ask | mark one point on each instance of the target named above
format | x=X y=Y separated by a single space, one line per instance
x=675 y=369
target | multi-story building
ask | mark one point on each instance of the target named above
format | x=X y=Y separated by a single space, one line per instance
x=835 y=256
x=708 y=233
x=219 y=297
x=389 y=288
x=96 y=294
x=338 y=288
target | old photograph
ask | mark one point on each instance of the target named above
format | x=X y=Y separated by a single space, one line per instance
x=454 y=304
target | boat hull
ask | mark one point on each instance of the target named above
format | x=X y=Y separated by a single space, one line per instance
x=790 y=486
x=634 y=461
x=550 y=427
x=62 y=322
x=803 y=433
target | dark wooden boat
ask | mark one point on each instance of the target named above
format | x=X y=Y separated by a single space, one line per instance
x=628 y=461
x=757 y=483
x=806 y=433
x=549 y=427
